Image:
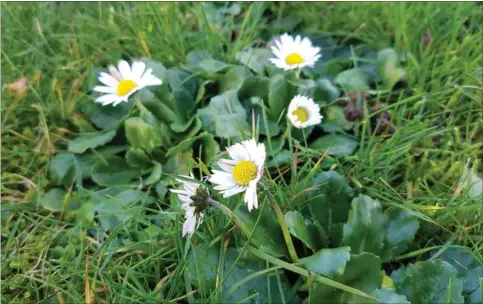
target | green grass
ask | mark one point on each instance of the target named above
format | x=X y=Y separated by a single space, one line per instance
x=56 y=45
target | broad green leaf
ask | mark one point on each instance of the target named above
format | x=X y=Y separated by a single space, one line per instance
x=213 y=66
x=280 y=94
x=429 y=282
x=159 y=70
x=335 y=144
x=401 y=226
x=303 y=229
x=107 y=117
x=81 y=123
x=54 y=199
x=203 y=143
x=184 y=87
x=364 y=230
x=161 y=109
x=115 y=172
x=136 y=157
x=328 y=262
x=352 y=80
x=268 y=235
x=334 y=120
x=389 y=296
x=254 y=58
x=194 y=58
x=62 y=168
x=361 y=272
x=202 y=267
x=461 y=258
x=388 y=68
x=264 y=288
x=141 y=135
x=329 y=204
x=180 y=163
x=155 y=174
x=91 y=141
x=225 y=117
x=255 y=111
x=182 y=126
x=325 y=90
x=234 y=78
x=255 y=86
x=281 y=158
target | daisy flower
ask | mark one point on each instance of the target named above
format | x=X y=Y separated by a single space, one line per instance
x=242 y=172
x=303 y=112
x=193 y=208
x=121 y=83
x=294 y=53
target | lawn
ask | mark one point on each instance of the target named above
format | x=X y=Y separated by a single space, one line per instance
x=380 y=201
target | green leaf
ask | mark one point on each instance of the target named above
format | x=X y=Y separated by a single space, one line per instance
x=389 y=296
x=54 y=199
x=91 y=141
x=162 y=110
x=280 y=94
x=429 y=282
x=329 y=204
x=328 y=262
x=184 y=87
x=136 y=157
x=461 y=258
x=254 y=58
x=225 y=116
x=155 y=174
x=203 y=143
x=364 y=231
x=352 y=80
x=401 y=226
x=115 y=172
x=194 y=58
x=334 y=120
x=202 y=267
x=254 y=86
x=335 y=144
x=141 y=135
x=107 y=117
x=325 y=90
x=302 y=229
x=388 y=68
x=159 y=70
x=81 y=123
x=234 y=79
x=264 y=288
x=180 y=163
x=281 y=158
x=268 y=235
x=361 y=272
x=213 y=66
x=62 y=168
x=256 y=113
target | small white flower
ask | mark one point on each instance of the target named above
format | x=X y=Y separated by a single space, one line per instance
x=121 y=83
x=294 y=53
x=303 y=112
x=192 y=218
x=242 y=172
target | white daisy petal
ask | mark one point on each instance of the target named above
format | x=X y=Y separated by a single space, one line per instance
x=108 y=80
x=242 y=172
x=294 y=53
x=303 y=112
x=103 y=89
x=124 y=69
x=192 y=218
x=138 y=68
x=107 y=99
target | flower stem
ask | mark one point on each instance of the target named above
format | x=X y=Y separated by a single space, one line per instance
x=283 y=225
x=306 y=273
x=227 y=211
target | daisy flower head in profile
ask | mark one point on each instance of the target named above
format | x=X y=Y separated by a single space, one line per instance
x=242 y=172
x=303 y=112
x=193 y=199
x=293 y=53
x=123 y=81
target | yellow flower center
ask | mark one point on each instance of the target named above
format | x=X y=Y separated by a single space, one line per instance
x=301 y=114
x=294 y=58
x=244 y=172
x=125 y=87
